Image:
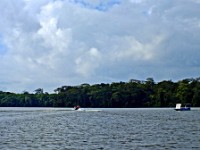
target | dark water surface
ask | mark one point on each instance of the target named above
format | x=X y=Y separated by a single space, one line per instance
x=117 y=129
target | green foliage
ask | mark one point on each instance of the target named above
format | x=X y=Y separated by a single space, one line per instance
x=134 y=93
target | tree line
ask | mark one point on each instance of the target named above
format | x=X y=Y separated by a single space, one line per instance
x=131 y=94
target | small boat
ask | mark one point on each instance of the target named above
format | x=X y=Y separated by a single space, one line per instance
x=77 y=107
x=179 y=108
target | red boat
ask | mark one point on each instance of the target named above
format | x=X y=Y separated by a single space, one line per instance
x=77 y=107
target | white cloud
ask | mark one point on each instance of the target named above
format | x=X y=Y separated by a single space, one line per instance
x=88 y=62
x=50 y=43
x=136 y=50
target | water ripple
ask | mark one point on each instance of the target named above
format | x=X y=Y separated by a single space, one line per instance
x=140 y=129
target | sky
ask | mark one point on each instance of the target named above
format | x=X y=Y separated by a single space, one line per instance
x=51 y=43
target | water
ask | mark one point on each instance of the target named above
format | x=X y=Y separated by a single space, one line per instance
x=117 y=129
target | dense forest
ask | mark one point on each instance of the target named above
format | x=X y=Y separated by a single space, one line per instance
x=134 y=93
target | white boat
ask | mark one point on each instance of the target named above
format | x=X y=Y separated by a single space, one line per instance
x=179 y=108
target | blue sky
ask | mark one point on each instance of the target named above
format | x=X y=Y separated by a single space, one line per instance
x=3 y=48
x=50 y=43
x=101 y=5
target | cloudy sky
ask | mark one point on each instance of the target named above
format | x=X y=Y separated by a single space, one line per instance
x=50 y=43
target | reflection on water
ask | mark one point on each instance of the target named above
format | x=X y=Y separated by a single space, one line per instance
x=140 y=129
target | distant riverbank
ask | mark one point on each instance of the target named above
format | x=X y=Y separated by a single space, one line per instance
x=132 y=94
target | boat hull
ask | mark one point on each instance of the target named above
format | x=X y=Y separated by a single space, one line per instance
x=183 y=109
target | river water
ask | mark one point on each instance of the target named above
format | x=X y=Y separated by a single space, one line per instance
x=109 y=129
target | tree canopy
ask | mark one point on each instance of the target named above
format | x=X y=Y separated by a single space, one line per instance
x=131 y=94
